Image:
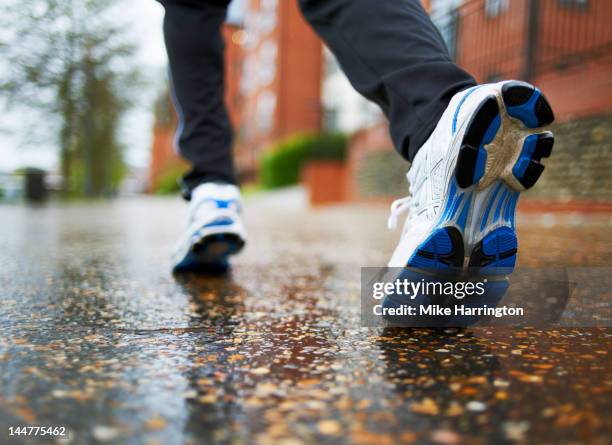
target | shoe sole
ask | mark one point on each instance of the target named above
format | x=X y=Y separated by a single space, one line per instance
x=210 y=254
x=512 y=165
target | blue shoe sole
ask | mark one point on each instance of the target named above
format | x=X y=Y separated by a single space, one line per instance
x=210 y=254
x=523 y=102
x=495 y=254
x=443 y=251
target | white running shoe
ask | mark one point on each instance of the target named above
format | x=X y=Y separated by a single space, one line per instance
x=214 y=231
x=466 y=179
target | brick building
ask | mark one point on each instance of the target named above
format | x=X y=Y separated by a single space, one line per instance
x=279 y=87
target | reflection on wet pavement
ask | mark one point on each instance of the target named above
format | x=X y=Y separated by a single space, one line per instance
x=96 y=335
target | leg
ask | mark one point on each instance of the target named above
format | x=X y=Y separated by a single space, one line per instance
x=473 y=148
x=192 y=31
x=393 y=55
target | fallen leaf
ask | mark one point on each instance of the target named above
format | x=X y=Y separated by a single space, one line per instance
x=329 y=427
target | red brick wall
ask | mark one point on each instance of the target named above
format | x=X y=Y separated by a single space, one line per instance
x=494 y=47
x=163 y=155
x=566 y=30
x=296 y=86
x=491 y=45
x=300 y=71
x=234 y=58
x=579 y=91
x=363 y=143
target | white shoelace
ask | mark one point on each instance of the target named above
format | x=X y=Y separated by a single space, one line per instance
x=408 y=203
x=398 y=207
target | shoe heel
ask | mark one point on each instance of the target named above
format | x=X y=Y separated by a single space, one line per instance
x=439 y=259
x=528 y=169
x=210 y=254
x=526 y=103
x=495 y=253
x=443 y=250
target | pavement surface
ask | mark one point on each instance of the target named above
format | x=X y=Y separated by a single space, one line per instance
x=96 y=335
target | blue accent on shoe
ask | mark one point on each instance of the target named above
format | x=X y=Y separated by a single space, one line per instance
x=492 y=130
x=455 y=205
x=220 y=203
x=396 y=300
x=500 y=203
x=225 y=221
x=456 y=115
x=193 y=263
x=209 y=255
x=438 y=243
x=461 y=221
x=525 y=157
x=489 y=206
x=501 y=244
x=511 y=207
x=449 y=200
x=453 y=189
x=481 y=159
x=526 y=112
x=481 y=162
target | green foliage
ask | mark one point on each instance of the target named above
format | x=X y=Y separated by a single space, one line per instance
x=281 y=165
x=168 y=183
x=72 y=62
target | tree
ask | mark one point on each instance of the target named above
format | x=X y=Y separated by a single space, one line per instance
x=71 y=61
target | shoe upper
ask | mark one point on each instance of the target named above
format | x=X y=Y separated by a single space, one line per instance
x=213 y=203
x=430 y=172
x=214 y=210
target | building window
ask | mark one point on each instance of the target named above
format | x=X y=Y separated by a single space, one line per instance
x=493 y=8
x=447 y=24
x=580 y=4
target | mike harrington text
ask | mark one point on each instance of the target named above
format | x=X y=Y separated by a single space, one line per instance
x=445 y=311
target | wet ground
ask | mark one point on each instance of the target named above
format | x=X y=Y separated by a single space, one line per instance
x=96 y=335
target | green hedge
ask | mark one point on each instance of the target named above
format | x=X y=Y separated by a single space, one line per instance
x=281 y=164
x=168 y=183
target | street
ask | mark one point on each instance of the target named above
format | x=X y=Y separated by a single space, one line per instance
x=97 y=335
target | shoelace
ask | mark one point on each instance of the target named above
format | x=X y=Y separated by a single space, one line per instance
x=398 y=207
x=408 y=203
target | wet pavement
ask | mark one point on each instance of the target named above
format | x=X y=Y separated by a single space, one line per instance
x=96 y=335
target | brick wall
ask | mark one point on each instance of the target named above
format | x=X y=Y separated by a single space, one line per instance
x=282 y=66
x=580 y=168
x=572 y=54
x=375 y=170
x=581 y=165
x=579 y=90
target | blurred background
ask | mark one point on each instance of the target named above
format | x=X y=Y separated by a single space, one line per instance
x=87 y=113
